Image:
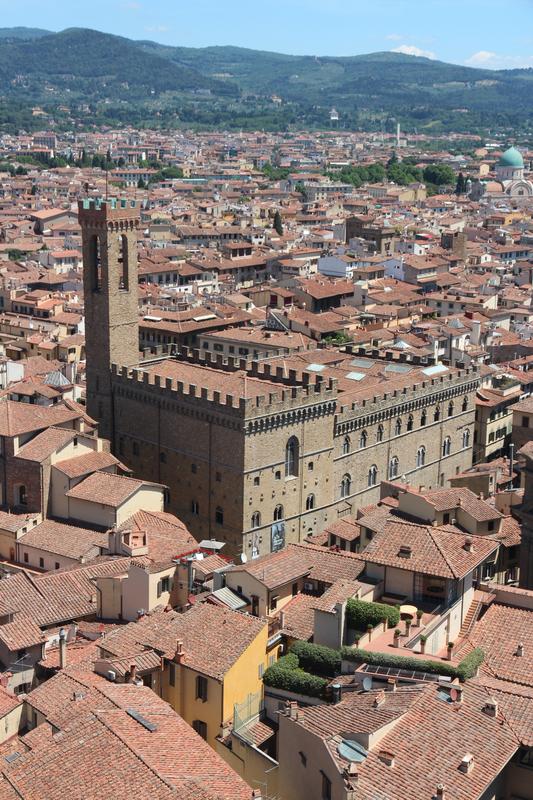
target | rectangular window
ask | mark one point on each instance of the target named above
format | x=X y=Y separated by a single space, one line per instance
x=261 y=670
x=41 y=563
x=165 y=584
x=273 y=603
x=201 y=688
x=303 y=758
x=171 y=674
x=200 y=728
x=326 y=787
x=25 y=558
x=525 y=422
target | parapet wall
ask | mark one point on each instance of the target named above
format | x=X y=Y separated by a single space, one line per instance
x=100 y=212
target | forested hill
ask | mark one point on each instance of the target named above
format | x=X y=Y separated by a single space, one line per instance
x=119 y=80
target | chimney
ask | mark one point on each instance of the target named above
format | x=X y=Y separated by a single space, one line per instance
x=379 y=699
x=469 y=545
x=293 y=709
x=132 y=672
x=336 y=692
x=520 y=649
x=467 y=764
x=491 y=707
x=282 y=619
x=393 y=684
x=440 y=795
x=62 y=648
x=141 y=613
x=180 y=655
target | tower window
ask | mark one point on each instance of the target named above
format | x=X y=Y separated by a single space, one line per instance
x=95 y=263
x=346 y=486
x=278 y=513
x=219 y=516
x=123 y=280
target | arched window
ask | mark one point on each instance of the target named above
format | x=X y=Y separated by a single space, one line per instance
x=23 y=496
x=291 y=457
x=466 y=438
x=423 y=418
x=372 y=475
x=421 y=456
x=310 y=502
x=446 y=446
x=436 y=415
x=363 y=436
x=450 y=408
x=410 y=422
x=465 y=403
x=123 y=278
x=346 y=445
x=379 y=434
x=95 y=263
x=256 y=519
x=346 y=486
x=219 y=515
x=398 y=427
x=278 y=513
x=394 y=467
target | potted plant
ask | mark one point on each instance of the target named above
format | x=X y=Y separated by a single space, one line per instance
x=385 y=622
x=423 y=640
x=449 y=653
x=397 y=634
x=369 y=629
x=419 y=615
x=408 y=622
x=356 y=640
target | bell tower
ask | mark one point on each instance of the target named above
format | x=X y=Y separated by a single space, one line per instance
x=109 y=237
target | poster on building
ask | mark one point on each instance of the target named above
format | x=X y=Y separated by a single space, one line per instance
x=277 y=536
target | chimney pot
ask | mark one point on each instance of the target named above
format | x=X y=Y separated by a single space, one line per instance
x=440 y=791
x=520 y=649
x=491 y=708
x=379 y=699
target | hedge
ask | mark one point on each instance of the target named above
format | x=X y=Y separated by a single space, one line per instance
x=360 y=614
x=470 y=664
x=465 y=669
x=286 y=674
x=317 y=658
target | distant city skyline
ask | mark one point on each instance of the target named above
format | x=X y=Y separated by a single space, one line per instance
x=495 y=34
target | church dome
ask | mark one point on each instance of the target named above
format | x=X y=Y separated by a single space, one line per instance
x=511 y=158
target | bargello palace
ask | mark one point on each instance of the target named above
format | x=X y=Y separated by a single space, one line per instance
x=260 y=453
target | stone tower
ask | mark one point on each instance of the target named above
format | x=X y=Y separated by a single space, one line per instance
x=109 y=236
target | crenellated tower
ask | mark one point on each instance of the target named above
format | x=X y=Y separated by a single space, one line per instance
x=109 y=236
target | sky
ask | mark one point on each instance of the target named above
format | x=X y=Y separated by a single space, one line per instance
x=496 y=34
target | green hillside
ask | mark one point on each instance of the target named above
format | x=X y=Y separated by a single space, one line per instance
x=97 y=78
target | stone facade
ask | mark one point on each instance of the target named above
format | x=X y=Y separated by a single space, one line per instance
x=219 y=453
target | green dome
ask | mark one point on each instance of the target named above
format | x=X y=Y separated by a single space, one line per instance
x=511 y=158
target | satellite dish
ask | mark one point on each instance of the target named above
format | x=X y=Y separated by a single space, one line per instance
x=244 y=558
x=367 y=683
x=454 y=694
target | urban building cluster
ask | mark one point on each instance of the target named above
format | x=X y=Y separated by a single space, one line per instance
x=266 y=467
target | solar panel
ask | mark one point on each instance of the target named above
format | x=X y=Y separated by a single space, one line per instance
x=316 y=367
x=404 y=674
x=437 y=369
x=361 y=363
x=12 y=757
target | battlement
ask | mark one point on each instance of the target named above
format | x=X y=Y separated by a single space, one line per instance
x=422 y=387
x=100 y=211
x=294 y=392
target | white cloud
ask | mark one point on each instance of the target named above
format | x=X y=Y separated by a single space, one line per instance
x=412 y=50
x=394 y=37
x=156 y=28
x=490 y=60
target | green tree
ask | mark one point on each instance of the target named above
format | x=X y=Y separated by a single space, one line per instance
x=460 y=186
x=278 y=224
x=439 y=174
x=141 y=184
